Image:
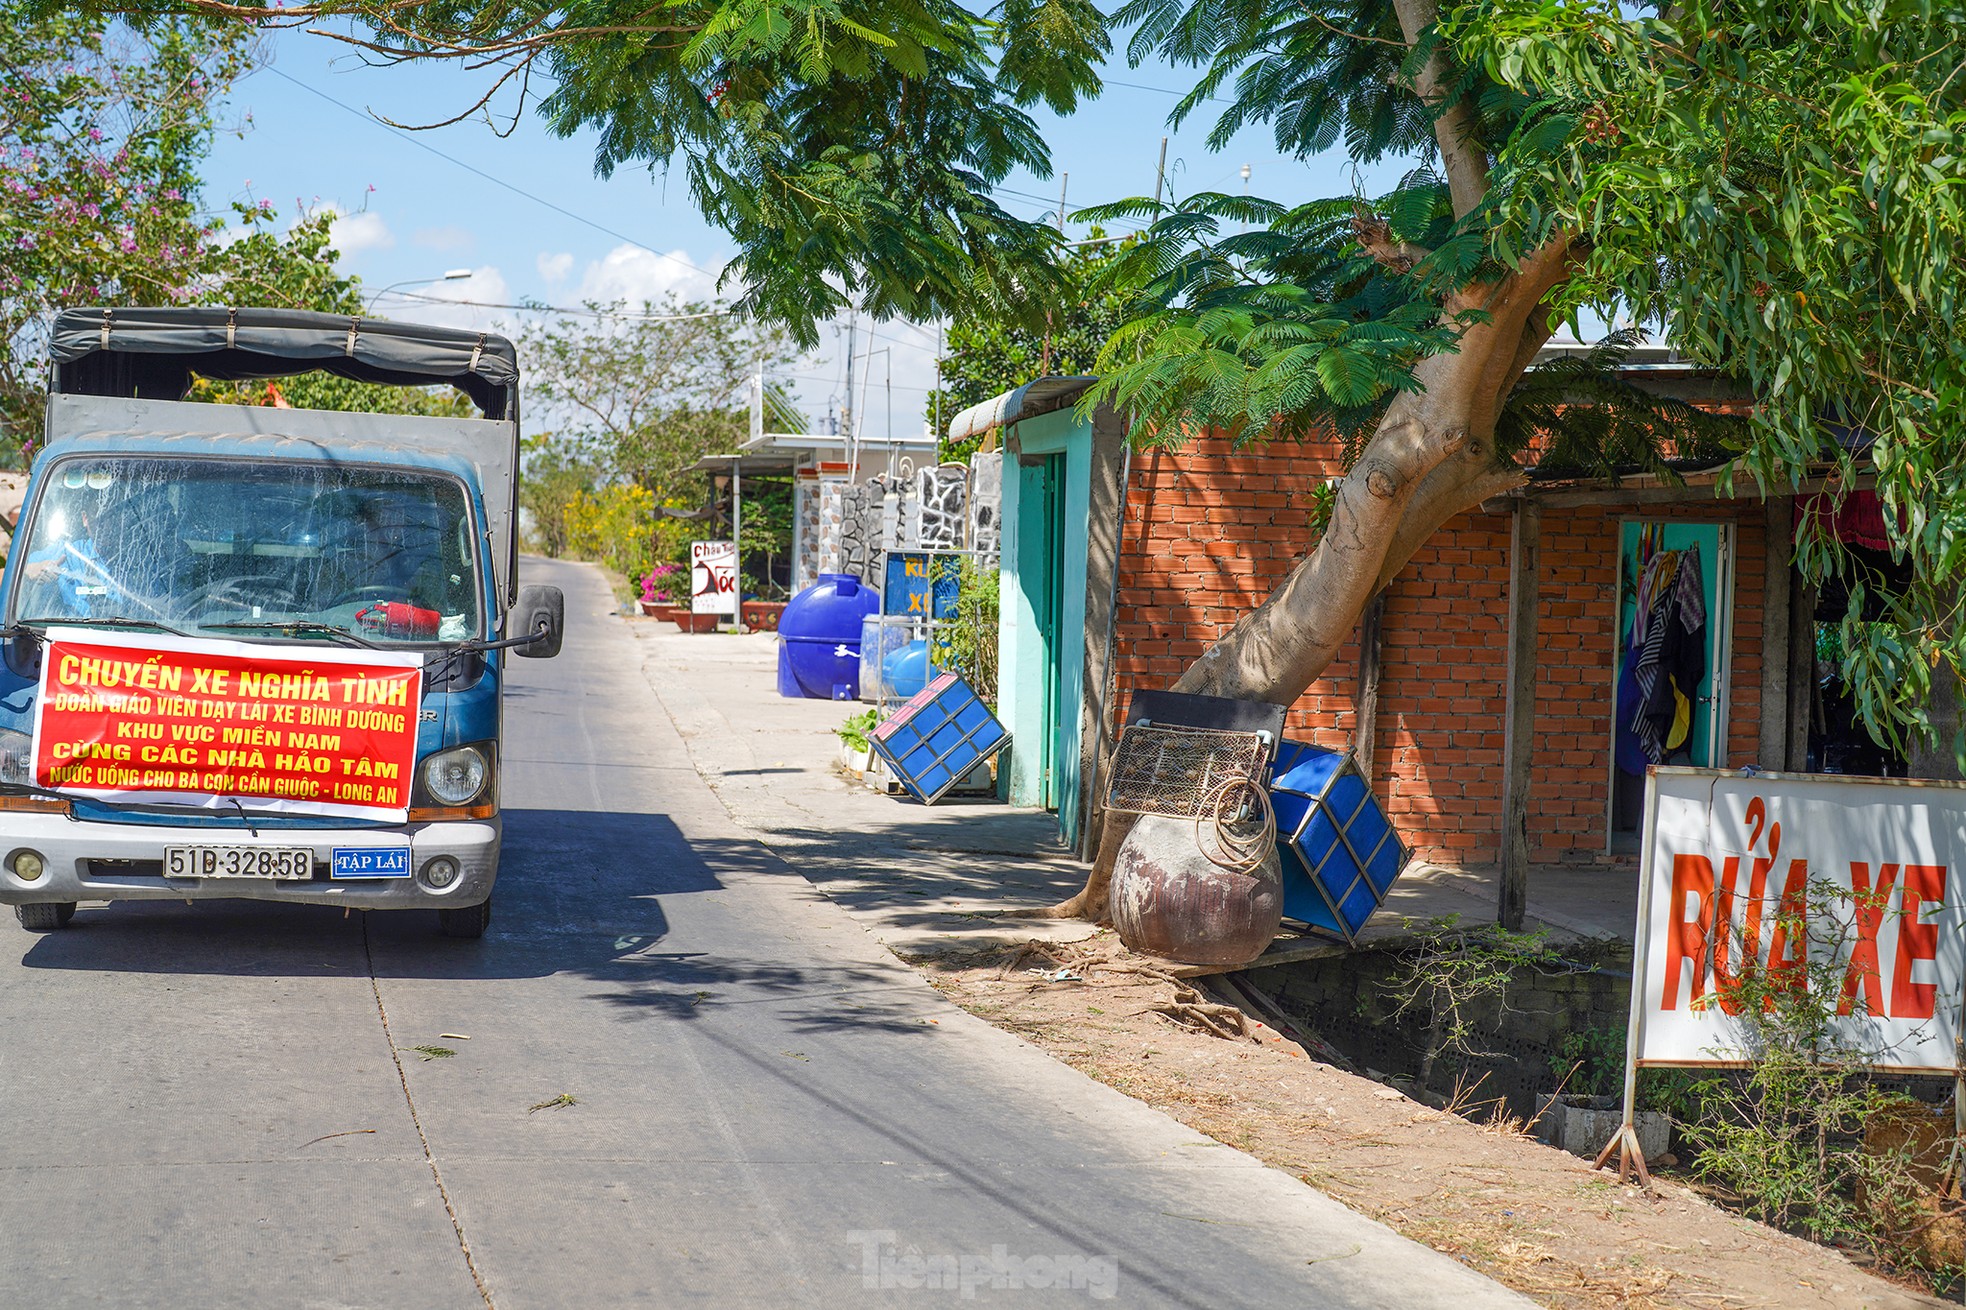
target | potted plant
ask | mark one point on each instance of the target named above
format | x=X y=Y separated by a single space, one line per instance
x=1586 y=1109
x=690 y=622
x=659 y=586
x=856 y=751
x=762 y=615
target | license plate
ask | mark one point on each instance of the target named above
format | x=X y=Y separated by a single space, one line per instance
x=370 y=862
x=283 y=862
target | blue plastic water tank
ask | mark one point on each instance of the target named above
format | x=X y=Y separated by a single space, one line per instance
x=819 y=638
x=906 y=669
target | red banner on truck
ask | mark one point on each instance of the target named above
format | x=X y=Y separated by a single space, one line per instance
x=196 y=722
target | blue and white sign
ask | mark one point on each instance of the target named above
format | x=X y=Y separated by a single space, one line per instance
x=371 y=862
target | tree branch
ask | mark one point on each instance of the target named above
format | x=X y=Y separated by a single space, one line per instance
x=1375 y=236
x=1462 y=156
x=1449 y=490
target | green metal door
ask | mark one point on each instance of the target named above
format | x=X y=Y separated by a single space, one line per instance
x=1051 y=623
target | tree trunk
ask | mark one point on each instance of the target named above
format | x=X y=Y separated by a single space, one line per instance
x=1431 y=458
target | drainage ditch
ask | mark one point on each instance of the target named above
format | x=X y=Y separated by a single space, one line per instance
x=1565 y=1017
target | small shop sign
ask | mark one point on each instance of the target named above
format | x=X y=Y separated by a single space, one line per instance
x=921 y=585
x=713 y=578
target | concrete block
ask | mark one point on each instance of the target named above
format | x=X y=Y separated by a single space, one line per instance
x=1582 y=1125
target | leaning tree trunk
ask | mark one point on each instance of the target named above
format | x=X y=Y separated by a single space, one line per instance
x=1431 y=458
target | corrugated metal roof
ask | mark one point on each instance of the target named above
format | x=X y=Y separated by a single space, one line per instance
x=1041 y=396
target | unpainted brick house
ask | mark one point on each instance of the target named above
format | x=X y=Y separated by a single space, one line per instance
x=1091 y=613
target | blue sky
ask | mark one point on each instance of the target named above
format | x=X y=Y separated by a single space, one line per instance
x=529 y=218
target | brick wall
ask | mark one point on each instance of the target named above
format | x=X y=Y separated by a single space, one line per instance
x=1209 y=533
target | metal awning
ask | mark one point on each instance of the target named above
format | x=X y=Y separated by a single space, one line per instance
x=1041 y=396
x=762 y=462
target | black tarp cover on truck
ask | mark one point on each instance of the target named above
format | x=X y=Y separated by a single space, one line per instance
x=123 y=372
x=151 y=353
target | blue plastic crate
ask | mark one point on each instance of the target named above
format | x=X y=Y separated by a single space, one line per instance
x=1339 y=852
x=937 y=737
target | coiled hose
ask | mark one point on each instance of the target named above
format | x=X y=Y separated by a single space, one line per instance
x=1244 y=824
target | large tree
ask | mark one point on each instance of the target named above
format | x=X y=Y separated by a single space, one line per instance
x=103 y=129
x=1775 y=187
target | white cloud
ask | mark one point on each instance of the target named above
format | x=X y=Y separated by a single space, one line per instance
x=449 y=237
x=554 y=268
x=354 y=233
x=441 y=303
x=637 y=275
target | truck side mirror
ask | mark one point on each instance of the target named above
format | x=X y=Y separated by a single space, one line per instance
x=539 y=607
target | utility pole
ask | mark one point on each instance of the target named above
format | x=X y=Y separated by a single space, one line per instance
x=1160 y=172
x=938 y=380
x=1044 y=356
x=737 y=529
x=846 y=406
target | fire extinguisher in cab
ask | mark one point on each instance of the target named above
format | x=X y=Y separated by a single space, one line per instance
x=394 y=618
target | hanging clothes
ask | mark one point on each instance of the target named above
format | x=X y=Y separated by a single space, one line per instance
x=1673 y=661
x=1656 y=568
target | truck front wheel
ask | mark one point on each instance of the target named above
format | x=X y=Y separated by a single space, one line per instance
x=45 y=917
x=468 y=922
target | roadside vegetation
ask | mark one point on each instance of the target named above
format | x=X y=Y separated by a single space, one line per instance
x=637 y=395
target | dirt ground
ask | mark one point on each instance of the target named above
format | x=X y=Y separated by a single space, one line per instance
x=1533 y=1217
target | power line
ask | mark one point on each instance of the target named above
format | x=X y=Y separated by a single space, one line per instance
x=421 y=144
x=1162 y=90
x=583 y=311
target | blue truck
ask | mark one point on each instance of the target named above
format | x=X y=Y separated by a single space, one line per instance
x=153 y=516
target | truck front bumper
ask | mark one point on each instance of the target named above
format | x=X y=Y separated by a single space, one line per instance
x=86 y=861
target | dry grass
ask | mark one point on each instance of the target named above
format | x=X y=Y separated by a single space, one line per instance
x=1535 y=1219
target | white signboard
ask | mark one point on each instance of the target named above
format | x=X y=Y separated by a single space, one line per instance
x=713 y=577
x=1733 y=864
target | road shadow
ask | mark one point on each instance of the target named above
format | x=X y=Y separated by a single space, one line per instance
x=579 y=893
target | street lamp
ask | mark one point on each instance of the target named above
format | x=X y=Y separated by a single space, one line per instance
x=456 y=274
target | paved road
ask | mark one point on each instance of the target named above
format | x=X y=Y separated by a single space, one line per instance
x=218 y=1105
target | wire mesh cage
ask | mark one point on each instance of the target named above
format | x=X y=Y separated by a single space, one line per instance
x=1180 y=772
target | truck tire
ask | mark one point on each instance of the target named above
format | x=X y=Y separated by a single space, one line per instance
x=467 y=922
x=45 y=917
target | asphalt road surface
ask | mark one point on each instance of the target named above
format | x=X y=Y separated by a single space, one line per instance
x=688 y=1079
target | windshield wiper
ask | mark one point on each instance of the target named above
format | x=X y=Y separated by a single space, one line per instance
x=299 y=627
x=146 y=625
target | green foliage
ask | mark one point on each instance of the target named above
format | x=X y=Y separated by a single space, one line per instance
x=611 y=524
x=766 y=528
x=1787 y=1137
x=854 y=731
x=990 y=350
x=555 y=471
x=1775 y=186
x=968 y=645
x=642 y=394
x=1456 y=977
x=651 y=389
x=1583 y=418
x=1779 y=185
x=843 y=144
x=1590 y=1062
x=1261 y=321
x=101 y=138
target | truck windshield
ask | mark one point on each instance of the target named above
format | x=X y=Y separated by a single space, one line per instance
x=235 y=548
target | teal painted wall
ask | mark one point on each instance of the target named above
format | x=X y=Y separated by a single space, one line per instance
x=1043 y=731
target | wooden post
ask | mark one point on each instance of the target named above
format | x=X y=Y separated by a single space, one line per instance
x=1520 y=714
x=1802 y=671
x=1365 y=728
x=1778 y=534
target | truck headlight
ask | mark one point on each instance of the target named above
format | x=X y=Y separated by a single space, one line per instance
x=456 y=776
x=16 y=758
